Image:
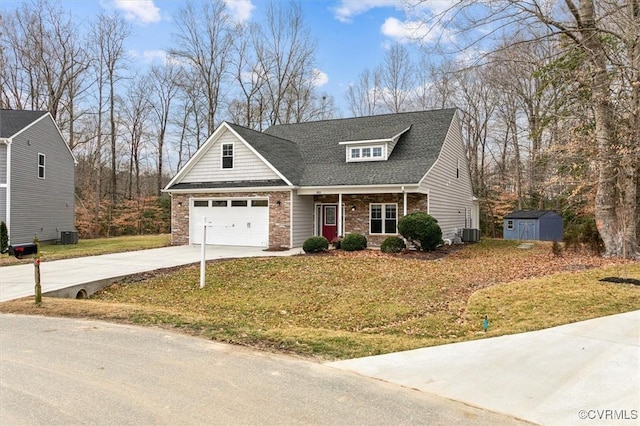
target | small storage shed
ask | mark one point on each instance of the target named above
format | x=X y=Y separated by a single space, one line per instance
x=541 y=225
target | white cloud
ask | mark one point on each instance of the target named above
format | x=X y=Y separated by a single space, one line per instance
x=149 y=56
x=144 y=11
x=320 y=78
x=350 y=8
x=407 y=31
x=239 y=10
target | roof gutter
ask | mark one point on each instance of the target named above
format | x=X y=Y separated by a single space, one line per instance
x=358 y=189
x=226 y=190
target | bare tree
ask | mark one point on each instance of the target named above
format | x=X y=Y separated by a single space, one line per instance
x=137 y=111
x=164 y=84
x=203 y=42
x=364 y=97
x=285 y=59
x=397 y=79
x=598 y=31
x=42 y=56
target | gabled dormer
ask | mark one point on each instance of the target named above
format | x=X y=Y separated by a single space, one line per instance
x=373 y=149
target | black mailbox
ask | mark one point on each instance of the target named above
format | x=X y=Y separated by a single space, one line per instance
x=23 y=250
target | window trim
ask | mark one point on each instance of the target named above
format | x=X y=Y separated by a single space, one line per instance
x=383 y=218
x=357 y=153
x=223 y=156
x=42 y=168
x=510 y=225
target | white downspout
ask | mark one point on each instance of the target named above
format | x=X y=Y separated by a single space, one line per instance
x=7 y=214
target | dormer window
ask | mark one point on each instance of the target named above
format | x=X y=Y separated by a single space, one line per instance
x=370 y=149
x=365 y=153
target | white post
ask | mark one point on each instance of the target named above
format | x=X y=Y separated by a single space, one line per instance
x=339 y=216
x=203 y=259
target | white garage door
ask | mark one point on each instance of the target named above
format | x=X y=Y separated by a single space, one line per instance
x=234 y=222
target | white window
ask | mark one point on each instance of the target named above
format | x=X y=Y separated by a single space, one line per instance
x=365 y=153
x=227 y=156
x=510 y=224
x=383 y=218
x=41 y=166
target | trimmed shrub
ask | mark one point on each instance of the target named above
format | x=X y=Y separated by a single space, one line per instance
x=392 y=245
x=353 y=242
x=315 y=245
x=4 y=237
x=421 y=229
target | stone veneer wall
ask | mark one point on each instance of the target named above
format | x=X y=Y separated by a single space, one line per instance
x=358 y=220
x=279 y=216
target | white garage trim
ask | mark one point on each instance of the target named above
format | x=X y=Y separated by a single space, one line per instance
x=234 y=221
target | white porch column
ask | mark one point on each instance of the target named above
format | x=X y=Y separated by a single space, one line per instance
x=404 y=200
x=339 y=215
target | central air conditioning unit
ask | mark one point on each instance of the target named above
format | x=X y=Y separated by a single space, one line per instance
x=470 y=235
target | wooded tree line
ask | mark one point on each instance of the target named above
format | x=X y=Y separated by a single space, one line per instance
x=550 y=112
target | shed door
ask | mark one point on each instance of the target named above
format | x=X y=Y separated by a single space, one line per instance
x=234 y=222
x=525 y=230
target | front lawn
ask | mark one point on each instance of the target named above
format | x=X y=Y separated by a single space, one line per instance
x=345 y=305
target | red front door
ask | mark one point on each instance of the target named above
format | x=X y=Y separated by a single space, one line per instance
x=330 y=221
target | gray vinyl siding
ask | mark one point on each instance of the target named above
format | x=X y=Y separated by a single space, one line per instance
x=3 y=163
x=246 y=165
x=301 y=218
x=3 y=204
x=41 y=207
x=449 y=195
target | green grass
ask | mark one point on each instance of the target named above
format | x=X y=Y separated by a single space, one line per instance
x=93 y=247
x=349 y=305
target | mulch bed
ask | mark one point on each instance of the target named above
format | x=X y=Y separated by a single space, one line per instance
x=620 y=280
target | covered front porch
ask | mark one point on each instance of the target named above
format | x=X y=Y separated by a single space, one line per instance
x=373 y=215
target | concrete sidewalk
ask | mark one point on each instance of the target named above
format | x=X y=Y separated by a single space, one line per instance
x=18 y=281
x=585 y=373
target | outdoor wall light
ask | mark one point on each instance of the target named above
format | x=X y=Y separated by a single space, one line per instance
x=353 y=208
x=179 y=203
x=278 y=203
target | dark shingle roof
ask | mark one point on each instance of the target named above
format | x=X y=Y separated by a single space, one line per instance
x=324 y=161
x=529 y=214
x=283 y=154
x=12 y=121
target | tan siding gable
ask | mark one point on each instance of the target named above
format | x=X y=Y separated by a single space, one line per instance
x=246 y=164
x=450 y=195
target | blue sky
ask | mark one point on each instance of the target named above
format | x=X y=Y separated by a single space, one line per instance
x=351 y=35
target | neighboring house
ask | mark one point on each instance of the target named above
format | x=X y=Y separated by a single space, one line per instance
x=356 y=175
x=541 y=225
x=37 y=177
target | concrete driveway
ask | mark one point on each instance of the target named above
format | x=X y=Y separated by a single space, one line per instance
x=585 y=373
x=18 y=281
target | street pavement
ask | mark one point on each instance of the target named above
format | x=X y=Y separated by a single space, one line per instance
x=585 y=373
x=60 y=371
